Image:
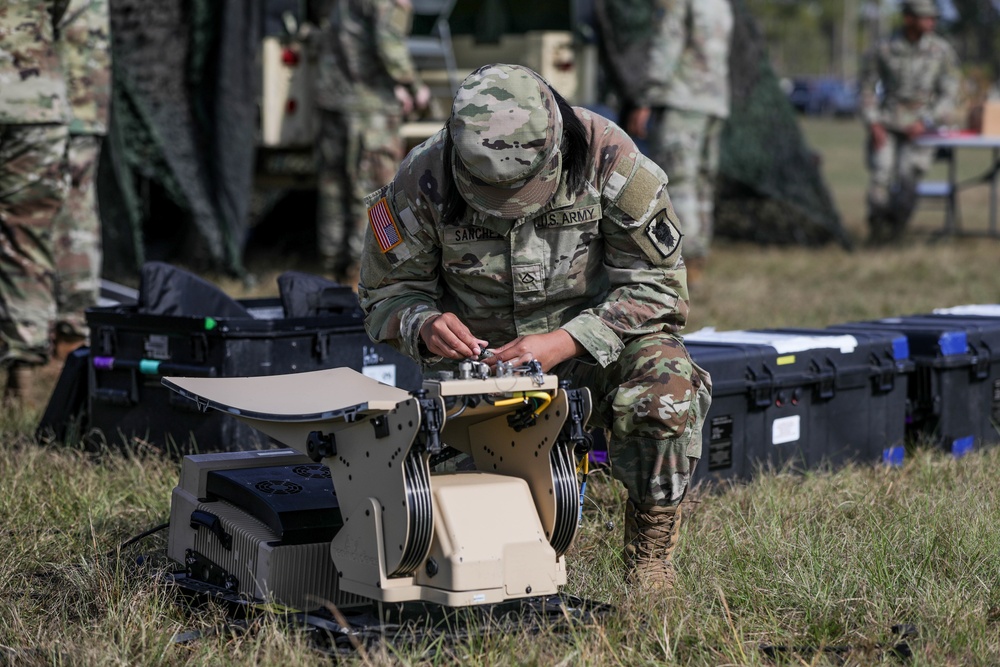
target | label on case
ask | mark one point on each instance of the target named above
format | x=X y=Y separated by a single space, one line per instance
x=786 y=429
x=720 y=443
x=157 y=346
x=783 y=343
x=384 y=373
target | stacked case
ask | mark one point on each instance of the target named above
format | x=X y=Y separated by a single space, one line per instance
x=954 y=390
x=800 y=399
x=184 y=326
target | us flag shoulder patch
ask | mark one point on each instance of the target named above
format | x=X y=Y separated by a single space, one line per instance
x=384 y=226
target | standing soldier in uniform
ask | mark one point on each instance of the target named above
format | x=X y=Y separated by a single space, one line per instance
x=676 y=89
x=366 y=83
x=540 y=230
x=920 y=80
x=33 y=113
x=84 y=50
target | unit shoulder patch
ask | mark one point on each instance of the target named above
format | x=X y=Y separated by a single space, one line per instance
x=660 y=238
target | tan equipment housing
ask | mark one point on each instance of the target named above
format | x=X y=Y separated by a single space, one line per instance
x=387 y=525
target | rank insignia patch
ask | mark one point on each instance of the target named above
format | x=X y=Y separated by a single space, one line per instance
x=666 y=238
x=384 y=226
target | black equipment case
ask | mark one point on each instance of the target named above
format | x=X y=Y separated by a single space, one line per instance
x=954 y=393
x=800 y=399
x=131 y=350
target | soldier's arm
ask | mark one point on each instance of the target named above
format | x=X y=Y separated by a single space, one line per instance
x=642 y=258
x=948 y=85
x=867 y=82
x=671 y=17
x=399 y=288
x=84 y=47
x=392 y=25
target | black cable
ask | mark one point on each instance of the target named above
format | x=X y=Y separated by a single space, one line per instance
x=138 y=537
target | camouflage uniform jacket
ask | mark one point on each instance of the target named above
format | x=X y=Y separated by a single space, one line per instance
x=363 y=55
x=689 y=56
x=32 y=89
x=602 y=263
x=920 y=81
x=84 y=49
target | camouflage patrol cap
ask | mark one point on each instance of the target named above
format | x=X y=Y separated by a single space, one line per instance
x=506 y=129
x=921 y=7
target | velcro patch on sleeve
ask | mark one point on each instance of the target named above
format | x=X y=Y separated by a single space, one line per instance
x=384 y=226
x=638 y=195
x=409 y=220
x=660 y=238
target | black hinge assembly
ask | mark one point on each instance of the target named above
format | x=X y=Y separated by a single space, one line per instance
x=573 y=428
x=431 y=421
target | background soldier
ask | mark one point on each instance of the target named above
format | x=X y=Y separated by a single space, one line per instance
x=541 y=228
x=920 y=81
x=84 y=49
x=366 y=83
x=675 y=87
x=33 y=113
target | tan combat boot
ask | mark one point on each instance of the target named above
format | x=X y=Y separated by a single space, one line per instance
x=650 y=537
x=20 y=384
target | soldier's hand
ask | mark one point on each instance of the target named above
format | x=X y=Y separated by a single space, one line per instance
x=637 y=122
x=879 y=136
x=447 y=336
x=404 y=98
x=422 y=97
x=914 y=130
x=549 y=349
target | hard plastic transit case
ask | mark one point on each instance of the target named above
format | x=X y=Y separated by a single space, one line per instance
x=954 y=392
x=986 y=318
x=859 y=405
x=132 y=347
x=799 y=399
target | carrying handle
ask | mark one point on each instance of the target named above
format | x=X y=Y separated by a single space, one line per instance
x=214 y=524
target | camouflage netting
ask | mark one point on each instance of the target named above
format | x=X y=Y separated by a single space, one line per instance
x=770 y=187
x=176 y=175
x=175 y=179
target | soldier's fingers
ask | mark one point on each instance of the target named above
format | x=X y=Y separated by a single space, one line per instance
x=456 y=336
x=461 y=350
x=512 y=353
x=471 y=343
x=509 y=348
x=447 y=345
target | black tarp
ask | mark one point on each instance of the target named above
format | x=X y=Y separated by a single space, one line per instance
x=770 y=189
x=176 y=176
x=165 y=289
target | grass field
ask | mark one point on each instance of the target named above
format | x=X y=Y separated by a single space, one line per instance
x=825 y=564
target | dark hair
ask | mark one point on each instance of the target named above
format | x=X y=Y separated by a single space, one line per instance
x=575 y=149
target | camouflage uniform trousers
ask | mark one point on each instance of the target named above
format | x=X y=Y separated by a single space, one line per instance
x=685 y=144
x=358 y=154
x=653 y=399
x=895 y=171
x=78 y=239
x=33 y=184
